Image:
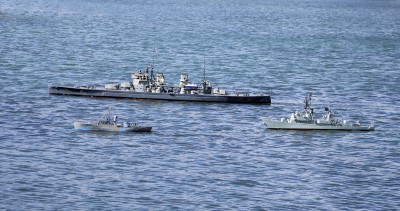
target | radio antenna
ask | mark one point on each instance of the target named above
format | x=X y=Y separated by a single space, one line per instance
x=204 y=69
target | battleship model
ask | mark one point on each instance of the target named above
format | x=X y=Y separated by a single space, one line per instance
x=306 y=121
x=146 y=85
x=109 y=122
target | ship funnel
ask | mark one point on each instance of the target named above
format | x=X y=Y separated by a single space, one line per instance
x=184 y=80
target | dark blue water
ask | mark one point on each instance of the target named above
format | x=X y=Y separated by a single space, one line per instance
x=200 y=156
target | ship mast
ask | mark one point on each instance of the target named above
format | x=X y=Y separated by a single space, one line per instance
x=307 y=102
x=204 y=70
x=152 y=66
x=203 y=82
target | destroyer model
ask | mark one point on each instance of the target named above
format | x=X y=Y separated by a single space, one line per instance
x=109 y=122
x=306 y=121
x=146 y=85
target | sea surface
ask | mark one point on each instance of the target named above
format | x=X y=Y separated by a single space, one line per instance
x=200 y=156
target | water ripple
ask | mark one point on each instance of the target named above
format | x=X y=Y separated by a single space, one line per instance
x=200 y=155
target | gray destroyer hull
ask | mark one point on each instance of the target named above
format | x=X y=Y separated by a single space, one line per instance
x=280 y=125
x=128 y=94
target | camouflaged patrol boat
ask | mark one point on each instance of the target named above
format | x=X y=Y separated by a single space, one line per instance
x=306 y=121
x=109 y=122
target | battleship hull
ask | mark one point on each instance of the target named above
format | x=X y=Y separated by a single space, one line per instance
x=97 y=92
x=110 y=128
x=282 y=125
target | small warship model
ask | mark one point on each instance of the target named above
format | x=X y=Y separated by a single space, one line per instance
x=306 y=121
x=146 y=85
x=109 y=122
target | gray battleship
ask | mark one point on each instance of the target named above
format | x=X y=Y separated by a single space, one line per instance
x=306 y=121
x=109 y=122
x=146 y=85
